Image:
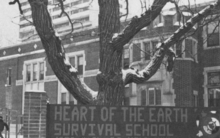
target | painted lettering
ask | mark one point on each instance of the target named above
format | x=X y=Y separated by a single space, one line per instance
x=58 y=113
x=124 y=109
x=128 y=128
x=92 y=109
x=140 y=114
x=184 y=115
x=57 y=129
x=65 y=113
x=168 y=114
x=83 y=112
x=151 y=114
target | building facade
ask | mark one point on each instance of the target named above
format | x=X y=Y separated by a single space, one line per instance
x=83 y=13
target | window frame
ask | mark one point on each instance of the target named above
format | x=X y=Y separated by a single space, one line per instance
x=126 y=57
x=155 y=96
x=213 y=32
x=205 y=34
x=151 y=48
x=206 y=83
x=31 y=63
x=9 y=77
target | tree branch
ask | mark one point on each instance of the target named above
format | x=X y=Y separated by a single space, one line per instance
x=137 y=23
x=135 y=76
x=57 y=59
x=19 y=5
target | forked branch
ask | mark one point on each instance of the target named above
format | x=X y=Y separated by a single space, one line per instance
x=135 y=76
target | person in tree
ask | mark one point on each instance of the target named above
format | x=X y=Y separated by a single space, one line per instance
x=2 y=125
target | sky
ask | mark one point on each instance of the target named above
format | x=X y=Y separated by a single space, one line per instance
x=8 y=30
x=9 y=20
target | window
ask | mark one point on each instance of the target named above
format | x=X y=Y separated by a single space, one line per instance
x=214 y=79
x=35 y=71
x=190 y=48
x=41 y=71
x=28 y=73
x=154 y=46
x=55 y=1
x=147 y=50
x=213 y=88
x=25 y=25
x=24 y=3
x=61 y=25
x=180 y=19
x=34 y=74
x=55 y=16
x=72 y=100
x=179 y=49
x=214 y=97
x=212 y=34
x=126 y=59
x=151 y=95
x=80 y=64
x=26 y=10
x=79 y=10
x=77 y=62
x=158 y=22
x=8 y=83
x=195 y=98
x=56 y=8
x=63 y=98
x=154 y=95
x=84 y=1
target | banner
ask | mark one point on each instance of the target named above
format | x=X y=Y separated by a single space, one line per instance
x=73 y=121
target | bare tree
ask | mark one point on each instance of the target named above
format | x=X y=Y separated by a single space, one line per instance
x=111 y=77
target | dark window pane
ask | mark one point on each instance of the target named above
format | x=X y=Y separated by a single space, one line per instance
x=188 y=48
x=72 y=61
x=28 y=73
x=143 y=97
x=41 y=72
x=179 y=49
x=154 y=44
x=63 y=98
x=136 y=52
x=214 y=78
x=71 y=100
x=158 y=96
x=126 y=58
x=212 y=34
x=9 y=77
x=151 y=96
x=147 y=50
x=35 y=72
x=80 y=65
x=213 y=40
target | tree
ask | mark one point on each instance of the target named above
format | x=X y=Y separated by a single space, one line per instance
x=111 y=78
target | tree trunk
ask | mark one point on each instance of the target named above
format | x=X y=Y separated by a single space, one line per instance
x=111 y=87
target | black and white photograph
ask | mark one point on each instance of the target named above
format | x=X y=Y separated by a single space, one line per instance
x=109 y=68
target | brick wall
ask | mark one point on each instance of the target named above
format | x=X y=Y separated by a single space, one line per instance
x=183 y=83
x=35 y=115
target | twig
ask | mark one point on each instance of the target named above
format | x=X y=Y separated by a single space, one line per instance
x=19 y=5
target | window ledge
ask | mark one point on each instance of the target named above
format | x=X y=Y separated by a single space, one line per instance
x=213 y=47
x=189 y=59
x=34 y=81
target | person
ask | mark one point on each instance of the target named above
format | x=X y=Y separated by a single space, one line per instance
x=2 y=125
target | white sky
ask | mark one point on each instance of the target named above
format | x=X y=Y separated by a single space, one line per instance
x=9 y=31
